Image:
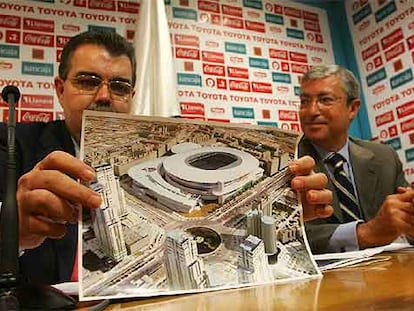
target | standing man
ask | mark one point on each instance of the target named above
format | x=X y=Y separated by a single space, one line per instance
x=372 y=202
x=97 y=71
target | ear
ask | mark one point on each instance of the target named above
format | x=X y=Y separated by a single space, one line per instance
x=353 y=108
x=59 y=89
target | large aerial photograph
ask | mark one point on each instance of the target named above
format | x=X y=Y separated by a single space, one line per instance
x=188 y=206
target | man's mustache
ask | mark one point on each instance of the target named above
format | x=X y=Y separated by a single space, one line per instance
x=101 y=107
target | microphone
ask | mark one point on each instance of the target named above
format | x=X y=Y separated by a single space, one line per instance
x=9 y=240
x=16 y=293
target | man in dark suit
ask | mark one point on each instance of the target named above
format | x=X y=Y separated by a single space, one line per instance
x=384 y=204
x=97 y=71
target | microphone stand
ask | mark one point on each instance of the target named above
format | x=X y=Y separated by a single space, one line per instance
x=16 y=293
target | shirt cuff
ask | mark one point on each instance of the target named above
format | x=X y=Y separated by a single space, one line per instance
x=344 y=238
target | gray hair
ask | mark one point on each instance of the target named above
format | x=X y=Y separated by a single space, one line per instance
x=350 y=84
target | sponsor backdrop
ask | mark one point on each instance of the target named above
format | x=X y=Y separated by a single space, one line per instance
x=383 y=36
x=236 y=60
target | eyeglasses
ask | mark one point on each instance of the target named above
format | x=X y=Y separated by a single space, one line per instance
x=90 y=84
x=323 y=101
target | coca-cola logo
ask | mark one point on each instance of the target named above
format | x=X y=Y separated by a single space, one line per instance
x=187 y=53
x=213 y=70
x=288 y=115
x=208 y=6
x=9 y=21
x=107 y=5
x=236 y=85
x=32 y=116
x=36 y=39
x=232 y=22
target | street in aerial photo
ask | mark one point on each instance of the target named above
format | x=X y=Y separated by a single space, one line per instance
x=188 y=206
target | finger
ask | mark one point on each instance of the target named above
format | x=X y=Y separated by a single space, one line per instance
x=317 y=211
x=319 y=197
x=68 y=164
x=40 y=227
x=314 y=181
x=46 y=204
x=60 y=185
x=302 y=166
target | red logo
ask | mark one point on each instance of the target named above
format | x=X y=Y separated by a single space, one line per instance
x=192 y=108
x=10 y=21
x=384 y=118
x=298 y=57
x=232 y=10
x=106 y=5
x=310 y=16
x=186 y=40
x=212 y=57
x=61 y=41
x=128 y=7
x=395 y=51
x=13 y=36
x=37 y=39
x=407 y=125
x=288 y=115
x=392 y=38
x=261 y=87
x=405 y=109
x=311 y=26
x=255 y=26
x=215 y=70
x=208 y=6
x=299 y=68
x=237 y=72
x=36 y=116
x=232 y=22
x=279 y=54
x=293 y=12
x=238 y=85
x=187 y=53
x=370 y=51
x=38 y=25
x=37 y=101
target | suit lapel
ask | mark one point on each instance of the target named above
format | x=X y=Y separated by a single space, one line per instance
x=363 y=167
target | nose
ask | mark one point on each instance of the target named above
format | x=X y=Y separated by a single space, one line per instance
x=103 y=94
x=313 y=106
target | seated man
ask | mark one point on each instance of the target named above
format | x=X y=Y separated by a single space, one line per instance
x=97 y=71
x=373 y=204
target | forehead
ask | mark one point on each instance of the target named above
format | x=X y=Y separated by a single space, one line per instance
x=331 y=84
x=96 y=59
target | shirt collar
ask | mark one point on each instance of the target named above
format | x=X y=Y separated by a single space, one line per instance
x=344 y=151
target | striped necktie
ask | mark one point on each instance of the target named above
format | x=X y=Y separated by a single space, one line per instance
x=344 y=188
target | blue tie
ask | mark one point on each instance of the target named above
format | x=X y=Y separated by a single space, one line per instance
x=344 y=188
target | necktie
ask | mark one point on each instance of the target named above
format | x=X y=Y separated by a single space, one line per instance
x=344 y=188
x=74 y=277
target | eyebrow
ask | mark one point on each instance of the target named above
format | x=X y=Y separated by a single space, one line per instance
x=318 y=94
x=91 y=73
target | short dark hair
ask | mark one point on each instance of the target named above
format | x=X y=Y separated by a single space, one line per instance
x=114 y=43
x=350 y=84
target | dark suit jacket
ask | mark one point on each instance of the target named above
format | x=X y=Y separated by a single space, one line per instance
x=377 y=172
x=51 y=262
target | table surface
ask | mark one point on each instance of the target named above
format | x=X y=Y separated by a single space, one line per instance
x=382 y=285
